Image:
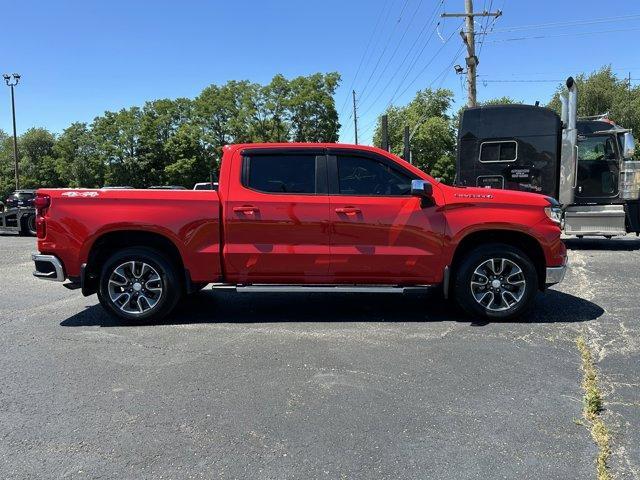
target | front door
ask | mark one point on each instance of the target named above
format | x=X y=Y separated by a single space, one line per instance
x=276 y=220
x=379 y=232
x=598 y=168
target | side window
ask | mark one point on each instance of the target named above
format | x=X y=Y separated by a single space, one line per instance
x=365 y=176
x=500 y=151
x=280 y=173
x=596 y=148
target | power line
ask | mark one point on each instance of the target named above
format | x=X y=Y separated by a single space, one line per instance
x=442 y=76
x=384 y=50
x=364 y=54
x=426 y=66
x=569 y=23
x=579 y=34
x=432 y=17
x=391 y=4
x=486 y=27
x=522 y=81
x=406 y=29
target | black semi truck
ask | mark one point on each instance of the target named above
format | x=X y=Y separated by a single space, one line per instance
x=586 y=164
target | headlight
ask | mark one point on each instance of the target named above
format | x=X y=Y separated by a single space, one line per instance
x=554 y=213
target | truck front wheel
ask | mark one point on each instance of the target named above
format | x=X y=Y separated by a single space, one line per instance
x=496 y=281
x=139 y=284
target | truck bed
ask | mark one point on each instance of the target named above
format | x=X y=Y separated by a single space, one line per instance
x=190 y=219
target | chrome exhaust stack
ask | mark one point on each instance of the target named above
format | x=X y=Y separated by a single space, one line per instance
x=569 y=147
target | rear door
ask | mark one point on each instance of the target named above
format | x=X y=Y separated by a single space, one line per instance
x=379 y=232
x=277 y=217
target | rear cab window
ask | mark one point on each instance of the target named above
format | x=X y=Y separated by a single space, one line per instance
x=284 y=173
x=499 y=151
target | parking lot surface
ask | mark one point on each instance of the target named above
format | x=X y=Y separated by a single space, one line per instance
x=318 y=385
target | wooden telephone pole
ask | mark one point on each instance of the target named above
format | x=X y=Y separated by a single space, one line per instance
x=355 y=115
x=469 y=40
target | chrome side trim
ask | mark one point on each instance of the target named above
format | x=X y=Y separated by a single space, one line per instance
x=57 y=275
x=555 y=274
x=266 y=288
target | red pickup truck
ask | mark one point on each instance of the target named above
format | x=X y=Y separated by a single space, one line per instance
x=302 y=217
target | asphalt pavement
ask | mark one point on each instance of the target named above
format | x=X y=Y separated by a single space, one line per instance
x=312 y=386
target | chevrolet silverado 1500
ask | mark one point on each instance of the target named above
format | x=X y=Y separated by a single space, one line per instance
x=302 y=217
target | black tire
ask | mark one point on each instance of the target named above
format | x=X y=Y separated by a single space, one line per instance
x=168 y=281
x=498 y=302
x=28 y=225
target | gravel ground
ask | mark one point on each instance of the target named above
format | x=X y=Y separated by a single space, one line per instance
x=317 y=385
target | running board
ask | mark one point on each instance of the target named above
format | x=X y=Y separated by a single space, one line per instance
x=280 y=288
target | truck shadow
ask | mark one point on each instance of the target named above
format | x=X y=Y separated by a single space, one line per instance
x=612 y=245
x=230 y=307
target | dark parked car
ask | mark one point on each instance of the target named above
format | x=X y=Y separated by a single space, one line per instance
x=20 y=198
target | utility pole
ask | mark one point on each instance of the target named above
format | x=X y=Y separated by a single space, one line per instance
x=385 y=132
x=407 y=147
x=629 y=98
x=11 y=81
x=469 y=40
x=355 y=116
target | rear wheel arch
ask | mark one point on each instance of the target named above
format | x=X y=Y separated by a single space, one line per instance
x=524 y=242
x=109 y=243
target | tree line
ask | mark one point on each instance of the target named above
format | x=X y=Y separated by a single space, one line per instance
x=173 y=142
x=179 y=141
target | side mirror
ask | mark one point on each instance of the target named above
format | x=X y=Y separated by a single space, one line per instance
x=421 y=188
x=629 y=148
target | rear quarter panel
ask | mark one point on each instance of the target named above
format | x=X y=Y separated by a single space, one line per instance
x=188 y=218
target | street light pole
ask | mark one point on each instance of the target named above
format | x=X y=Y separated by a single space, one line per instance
x=12 y=81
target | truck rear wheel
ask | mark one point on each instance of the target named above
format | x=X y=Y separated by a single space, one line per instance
x=496 y=281
x=28 y=225
x=139 y=284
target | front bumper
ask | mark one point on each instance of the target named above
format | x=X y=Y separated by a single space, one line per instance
x=555 y=274
x=48 y=267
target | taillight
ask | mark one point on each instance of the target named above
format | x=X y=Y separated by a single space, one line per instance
x=41 y=202
x=41 y=227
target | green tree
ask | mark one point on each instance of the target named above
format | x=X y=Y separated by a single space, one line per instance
x=117 y=136
x=160 y=122
x=433 y=136
x=190 y=164
x=78 y=163
x=7 y=182
x=312 y=109
x=37 y=159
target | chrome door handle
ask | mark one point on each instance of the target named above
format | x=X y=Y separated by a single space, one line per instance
x=348 y=210
x=248 y=209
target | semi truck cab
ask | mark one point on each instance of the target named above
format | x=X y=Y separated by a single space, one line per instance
x=586 y=164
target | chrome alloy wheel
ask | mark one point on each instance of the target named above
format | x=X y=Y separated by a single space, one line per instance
x=135 y=287
x=498 y=284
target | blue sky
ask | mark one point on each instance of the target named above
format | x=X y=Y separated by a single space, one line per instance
x=80 y=58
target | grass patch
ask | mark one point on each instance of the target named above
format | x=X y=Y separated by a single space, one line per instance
x=591 y=409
